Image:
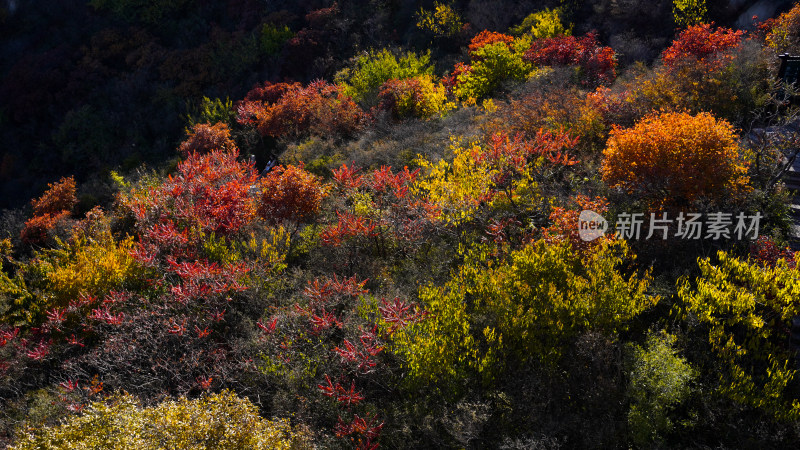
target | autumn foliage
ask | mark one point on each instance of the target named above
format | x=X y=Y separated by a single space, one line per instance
x=564 y=222
x=783 y=32
x=700 y=44
x=668 y=159
x=204 y=138
x=597 y=63
x=766 y=252
x=414 y=97
x=290 y=110
x=55 y=204
x=487 y=37
x=290 y=193
x=209 y=193
x=422 y=281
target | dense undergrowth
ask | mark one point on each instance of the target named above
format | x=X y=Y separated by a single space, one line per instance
x=386 y=252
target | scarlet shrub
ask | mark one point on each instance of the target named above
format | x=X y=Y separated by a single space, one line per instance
x=376 y=213
x=598 y=63
x=487 y=37
x=699 y=43
x=325 y=329
x=205 y=138
x=564 y=223
x=290 y=193
x=270 y=92
x=460 y=70
x=209 y=193
x=675 y=159
x=37 y=228
x=764 y=251
x=173 y=317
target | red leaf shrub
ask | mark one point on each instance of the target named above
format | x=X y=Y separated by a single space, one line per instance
x=209 y=193
x=597 y=62
x=270 y=92
x=459 y=70
x=58 y=198
x=766 y=252
x=564 y=222
x=387 y=213
x=487 y=37
x=700 y=43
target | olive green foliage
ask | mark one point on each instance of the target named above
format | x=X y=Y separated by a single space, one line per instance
x=222 y=421
x=659 y=381
x=273 y=37
x=523 y=309
x=745 y=309
x=211 y=111
x=542 y=24
x=363 y=79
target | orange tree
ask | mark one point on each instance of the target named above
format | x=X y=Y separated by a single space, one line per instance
x=205 y=137
x=675 y=159
x=291 y=110
x=54 y=205
x=290 y=193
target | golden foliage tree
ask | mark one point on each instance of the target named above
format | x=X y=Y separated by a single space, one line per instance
x=675 y=159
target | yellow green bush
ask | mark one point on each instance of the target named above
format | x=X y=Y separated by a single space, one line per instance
x=88 y=263
x=491 y=65
x=414 y=97
x=689 y=12
x=524 y=309
x=659 y=381
x=370 y=70
x=218 y=421
x=543 y=24
x=746 y=309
